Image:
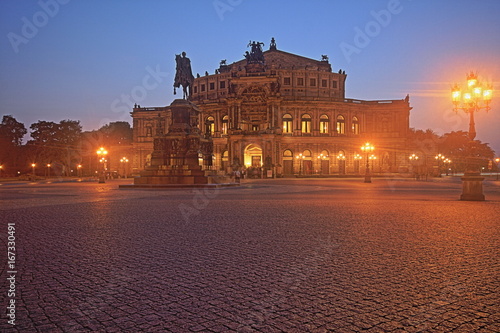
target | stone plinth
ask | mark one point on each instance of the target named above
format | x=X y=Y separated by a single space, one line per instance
x=176 y=156
x=472 y=189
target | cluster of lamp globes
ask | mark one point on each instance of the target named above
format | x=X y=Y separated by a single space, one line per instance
x=474 y=97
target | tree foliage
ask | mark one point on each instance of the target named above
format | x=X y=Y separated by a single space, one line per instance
x=12 y=131
x=55 y=142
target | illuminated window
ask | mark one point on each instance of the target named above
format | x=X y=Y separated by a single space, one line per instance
x=225 y=124
x=210 y=125
x=287 y=123
x=323 y=124
x=340 y=125
x=306 y=123
x=355 y=125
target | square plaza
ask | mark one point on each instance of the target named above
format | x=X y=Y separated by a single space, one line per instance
x=284 y=255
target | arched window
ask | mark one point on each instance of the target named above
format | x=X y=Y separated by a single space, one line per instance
x=149 y=131
x=210 y=125
x=225 y=160
x=287 y=123
x=225 y=124
x=323 y=124
x=355 y=125
x=340 y=125
x=306 y=123
x=288 y=162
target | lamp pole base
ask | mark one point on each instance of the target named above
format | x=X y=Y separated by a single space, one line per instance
x=472 y=187
x=368 y=179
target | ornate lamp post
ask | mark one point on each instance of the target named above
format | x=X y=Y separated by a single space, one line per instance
x=447 y=163
x=357 y=160
x=300 y=158
x=321 y=158
x=413 y=160
x=497 y=161
x=48 y=170
x=473 y=98
x=439 y=158
x=124 y=161
x=341 y=159
x=79 y=168
x=101 y=155
x=33 y=165
x=367 y=148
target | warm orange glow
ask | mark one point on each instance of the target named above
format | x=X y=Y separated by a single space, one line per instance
x=367 y=148
x=456 y=94
x=487 y=94
x=467 y=97
x=471 y=79
x=477 y=92
x=102 y=151
x=48 y=165
x=413 y=157
x=33 y=165
x=79 y=166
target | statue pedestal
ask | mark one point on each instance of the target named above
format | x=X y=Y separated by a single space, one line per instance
x=472 y=187
x=175 y=161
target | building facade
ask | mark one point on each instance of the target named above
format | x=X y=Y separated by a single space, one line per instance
x=284 y=114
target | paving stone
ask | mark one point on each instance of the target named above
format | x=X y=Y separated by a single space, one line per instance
x=327 y=255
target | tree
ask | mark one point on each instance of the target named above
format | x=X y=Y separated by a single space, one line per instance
x=55 y=143
x=12 y=131
x=458 y=147
x=11 y=136
x=117 y=133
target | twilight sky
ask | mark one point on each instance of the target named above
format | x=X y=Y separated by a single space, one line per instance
x=91 y=60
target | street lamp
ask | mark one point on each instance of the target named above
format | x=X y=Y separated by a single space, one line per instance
x=1 y=170
x=372 y=158
x=357 y=161
x=367 y=148
x=439 y=158
x=101 y=154
x=321 y=158
x=341 y=158
x=300 y=158
x=447 y=163
x=497 y=161
x=475 y=97
x=79 y=168
x=48 y=170
x=124 y=160
x=33 y=165
x=413 y=159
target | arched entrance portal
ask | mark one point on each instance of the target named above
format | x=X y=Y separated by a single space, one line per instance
x=253 y=156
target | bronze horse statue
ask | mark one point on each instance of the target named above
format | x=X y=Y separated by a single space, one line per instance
x=183 y=76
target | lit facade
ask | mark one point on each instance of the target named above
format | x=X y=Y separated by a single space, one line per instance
x=287 y=114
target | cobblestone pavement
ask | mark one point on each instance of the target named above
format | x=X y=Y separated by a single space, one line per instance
x=299 y=255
